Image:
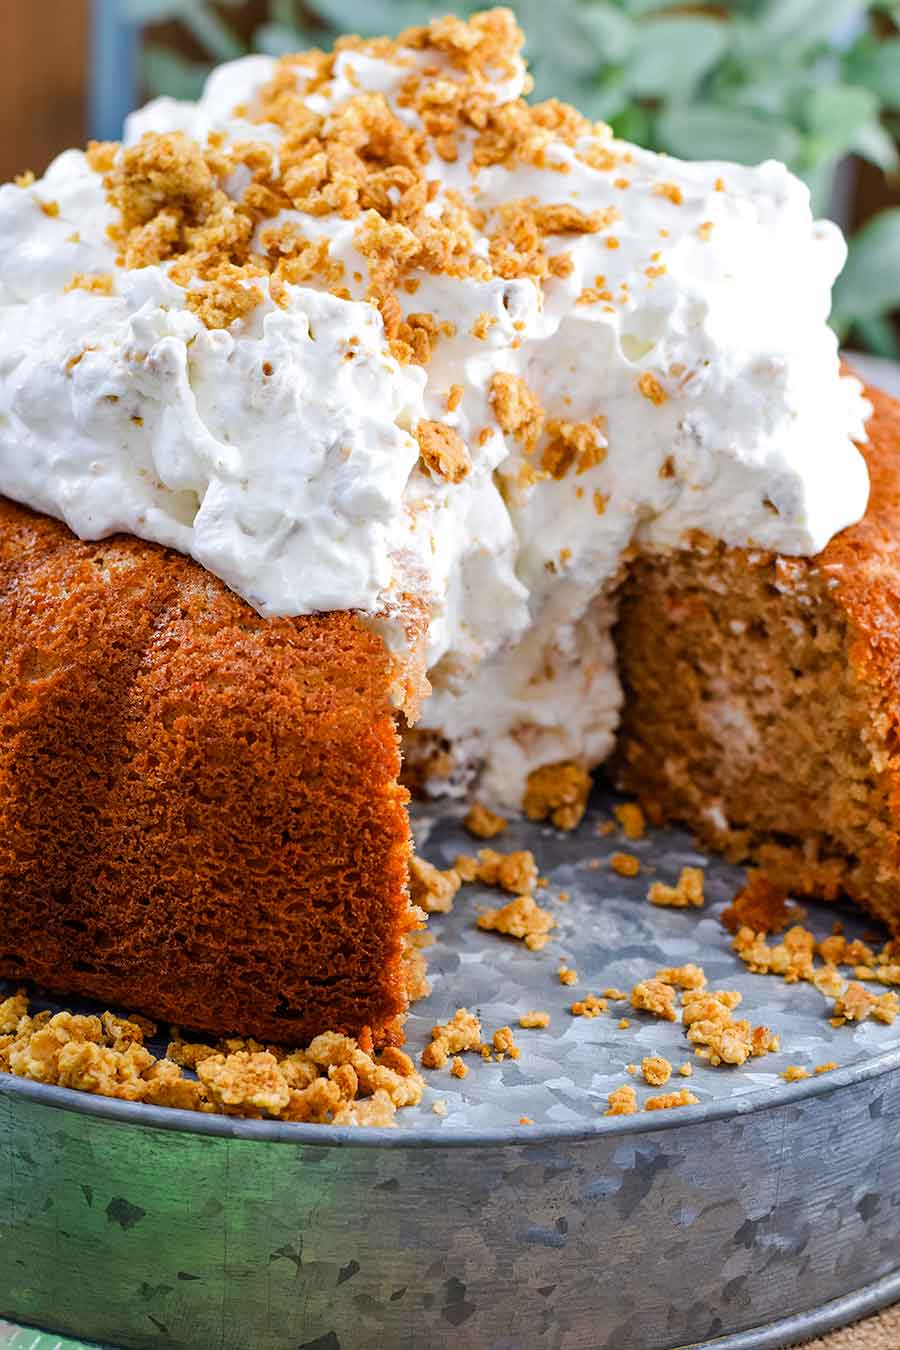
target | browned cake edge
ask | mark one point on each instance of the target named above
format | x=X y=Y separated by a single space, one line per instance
x=200 y=817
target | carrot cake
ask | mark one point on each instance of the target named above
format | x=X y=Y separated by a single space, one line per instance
x=363 y=378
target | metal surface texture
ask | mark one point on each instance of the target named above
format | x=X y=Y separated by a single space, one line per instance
x=732 y=1222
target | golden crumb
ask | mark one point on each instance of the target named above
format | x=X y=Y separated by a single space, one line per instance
x=522 y=918
x=461 y=1033
x=687 y=892
x=671 y=191
x=631 y=820
x=443 y=451
x=686 y=1070
x=827 y=1067
x=558 y=792
x=651 y=388
x=431 y=888
x=334 y=1080
x=525 y=1120
x=515 y=872
x=857 y=1003
x=457 y=1068
x=517 y=409
x=24 y=180
x=791 y=959
x=483 y=325
x=589 y=1006
x=100 y=283
x=454 y=397
x=622 y=1101
x=572 y=445
x=49 y=208
x=566 y=975
x=656 y=1070
x=619 y=995
x=705 y=230
x=534 y=1019
x=794 y=1073
x=668 y=1100
x=653 y=996
x=623 y=1024
x=439 y=1107
x=503 y=1044
x=688 y=976
x=483 y=823
x=625 y=864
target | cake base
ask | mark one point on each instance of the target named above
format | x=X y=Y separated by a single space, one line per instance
x=125 y=1224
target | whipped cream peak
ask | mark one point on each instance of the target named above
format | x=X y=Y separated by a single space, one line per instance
x=365 y=324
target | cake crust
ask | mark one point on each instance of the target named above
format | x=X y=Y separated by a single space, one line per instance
x=199 y=809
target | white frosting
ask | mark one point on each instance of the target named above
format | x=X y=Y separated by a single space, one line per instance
x=287 y=466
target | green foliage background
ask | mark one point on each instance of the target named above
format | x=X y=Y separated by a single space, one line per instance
x=808 y=82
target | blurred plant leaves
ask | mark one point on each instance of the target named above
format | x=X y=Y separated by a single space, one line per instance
x=673 y=54
x=700 y=131
x=870 y=282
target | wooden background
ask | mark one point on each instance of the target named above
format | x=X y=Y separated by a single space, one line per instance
x=43 y=78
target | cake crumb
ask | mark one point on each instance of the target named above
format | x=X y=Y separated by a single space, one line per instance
x=522 y=918
x=589 y=1006
x=615 y=995
x=439 y=1107
x=688 y=976
x=625 y=864
x=686 y=1070
x=653 y=996
x=794 y=1073
x=443 y=451
x=827 y=1067
x=525 y=1120
x=457 y=1068
x=761 y=905
x=688 y=891
x=461 y=1033
x=656 y=1070
x=631 y=819
x=514 y=872
x=431 y=888
x=622 y=1101
x=857 y=1003
x=668 y=1100
x=503 y=1044
x=483 y=823
x=558 y=792
x=623 y=1024
x=566 y=975
x=534 y=1019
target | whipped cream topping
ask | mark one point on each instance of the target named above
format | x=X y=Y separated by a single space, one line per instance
x=671 y=371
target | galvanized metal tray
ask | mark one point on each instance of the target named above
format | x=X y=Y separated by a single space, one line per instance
x=760 y=1217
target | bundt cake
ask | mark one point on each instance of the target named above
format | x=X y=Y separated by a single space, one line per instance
x=363 y=379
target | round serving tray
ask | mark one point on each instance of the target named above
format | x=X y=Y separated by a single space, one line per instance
x=759 y=1217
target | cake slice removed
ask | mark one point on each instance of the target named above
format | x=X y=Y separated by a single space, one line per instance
x=762 y=697
x=199 y=810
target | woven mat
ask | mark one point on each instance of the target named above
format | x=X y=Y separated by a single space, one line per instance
x=875 y=1333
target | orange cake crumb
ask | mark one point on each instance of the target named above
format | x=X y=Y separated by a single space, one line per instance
x=686 y=1070
x=653 y=996
x=461 y=1033
x=857 y=1003
x=794 y=1073
x=431 y=888
x=626 y=864
x=522 y=918
x=484 y=824
x=683 y=1097
x=688 y=976
x=687 y=892
x=622 y=1101
x=631 y=820
x=515 y=872
x=827 y=1067
x=557 y=792
x=503 y=1044
x=567 y=976
x=457 y=1068
x=656 y=1070
x=589 y=1006
x=534 y=1019
x=443 y=451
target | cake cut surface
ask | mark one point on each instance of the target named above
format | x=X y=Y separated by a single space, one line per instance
x=762 y=697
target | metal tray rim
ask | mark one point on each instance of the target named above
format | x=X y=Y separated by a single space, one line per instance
x=348 y=1136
